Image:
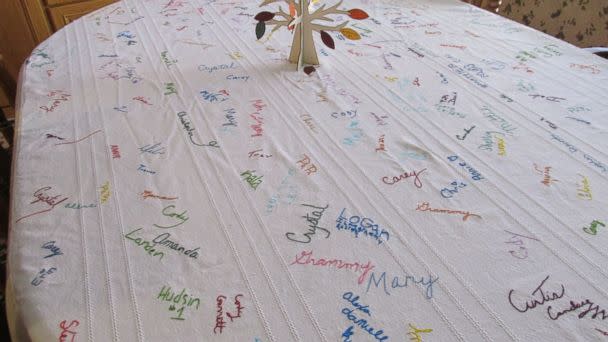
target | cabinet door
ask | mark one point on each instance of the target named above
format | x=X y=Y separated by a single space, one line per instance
x=65 y=14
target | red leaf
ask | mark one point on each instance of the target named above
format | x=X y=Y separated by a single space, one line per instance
x=264 y=16
x=327 y=40
x=309 y=70
x=358 y=14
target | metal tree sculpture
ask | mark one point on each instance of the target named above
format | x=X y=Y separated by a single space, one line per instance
x=303 y=48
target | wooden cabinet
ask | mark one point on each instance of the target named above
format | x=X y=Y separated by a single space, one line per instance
x=65 y=13
x=48 y=16
x=27 y=23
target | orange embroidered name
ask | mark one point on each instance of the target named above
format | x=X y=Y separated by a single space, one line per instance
x=148 y=193
x=546 y=175
x=396 y=179
x=381 y=143
x=308 y=120
x=461 y=47
x=307 y=165
x=322 y=97
x=425 y=206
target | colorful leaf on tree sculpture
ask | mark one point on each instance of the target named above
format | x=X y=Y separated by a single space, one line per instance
x=327 y=40
x=292 y=9
x=260 y=29
x=264 y=16
x=350 y=33
x=358 y=14
x=309 y=70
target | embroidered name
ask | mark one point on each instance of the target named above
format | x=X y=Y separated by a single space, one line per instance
x=178 y=299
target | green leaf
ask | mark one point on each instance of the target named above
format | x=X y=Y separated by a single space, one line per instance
x=260 y=29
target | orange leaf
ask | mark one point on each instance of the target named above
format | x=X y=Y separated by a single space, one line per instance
x=358 y=14
x=292 y=9
x=350 y=33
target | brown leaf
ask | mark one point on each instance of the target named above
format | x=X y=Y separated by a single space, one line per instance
x=309 y=70
x=264 y=16
x=327 y=40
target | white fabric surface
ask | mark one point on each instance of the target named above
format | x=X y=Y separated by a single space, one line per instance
x=438 y=103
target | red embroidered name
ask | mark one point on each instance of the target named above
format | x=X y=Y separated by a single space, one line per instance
x=115 y=152
x=56 y=98
x=220 y=323
x=66 y=332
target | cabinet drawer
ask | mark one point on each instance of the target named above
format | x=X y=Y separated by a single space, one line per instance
x=59 y=2
x=54 y=3
x=65 y=14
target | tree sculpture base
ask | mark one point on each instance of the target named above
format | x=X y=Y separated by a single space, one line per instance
x=306 y=49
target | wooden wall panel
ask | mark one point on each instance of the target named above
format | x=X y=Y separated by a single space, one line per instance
x=16 y=38
x=37 y=19
x=63 y=15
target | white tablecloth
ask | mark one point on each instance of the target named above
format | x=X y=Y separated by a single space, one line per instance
x=441 y=179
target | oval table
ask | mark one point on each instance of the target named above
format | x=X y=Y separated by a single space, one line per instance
x=442 y=178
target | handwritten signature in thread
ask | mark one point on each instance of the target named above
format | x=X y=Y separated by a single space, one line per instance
x=425 y=206
x=42 y=196
x=190 y=130
x=148 y=193
x=54 y=249
x=49 y=136
x=66 y=329
x=220 y=323
x=63 y=96
x=41 y=275
x=415 y=333
x=538 y=292
x=181 y=216
x=79 y=140
x=219 y=319
x=602 y=332
x=517 y=240
x=592 y=229
x=546 y=297
x=547 y=179
x=313 y=224
x=466 y=132
x=405 y=175
x=584 y=189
